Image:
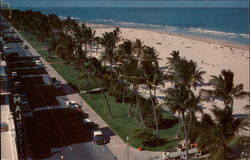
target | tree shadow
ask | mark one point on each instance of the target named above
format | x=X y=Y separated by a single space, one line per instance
x=108 y=133
x=120 y=116
x=69 y=88
x=167 y=123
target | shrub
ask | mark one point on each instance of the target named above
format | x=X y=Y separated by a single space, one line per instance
x=145 y=136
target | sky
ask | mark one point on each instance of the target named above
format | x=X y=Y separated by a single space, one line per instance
x=128 y=3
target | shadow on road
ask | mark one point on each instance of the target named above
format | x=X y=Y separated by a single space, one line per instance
x=54 y=128
x=108 y=133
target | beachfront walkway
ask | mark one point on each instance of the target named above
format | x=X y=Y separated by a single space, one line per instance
x=116 y=145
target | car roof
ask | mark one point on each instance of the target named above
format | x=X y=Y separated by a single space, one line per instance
x=96 y=133
x=87 y=120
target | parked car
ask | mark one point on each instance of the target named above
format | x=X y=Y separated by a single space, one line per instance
x=4 y=126
x=39 y=62
x=57 y=84
x=17 y=86
x=79 y=114
x=6 y=47
x=25 y=46
x=72 y=105
x=24 y=99
x=88 y=124
x=14 y=74
x=98 y=137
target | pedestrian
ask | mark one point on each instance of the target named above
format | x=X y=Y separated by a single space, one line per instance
x=163 y=155
x=167 y=155
x=61 y=157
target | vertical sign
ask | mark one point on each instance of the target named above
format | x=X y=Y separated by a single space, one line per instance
x=18 y=119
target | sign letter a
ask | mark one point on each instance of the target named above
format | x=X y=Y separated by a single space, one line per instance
x=18 y=109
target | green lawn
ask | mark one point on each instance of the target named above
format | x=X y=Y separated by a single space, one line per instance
x=121 y=123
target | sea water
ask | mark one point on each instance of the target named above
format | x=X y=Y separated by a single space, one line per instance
x=229 y=24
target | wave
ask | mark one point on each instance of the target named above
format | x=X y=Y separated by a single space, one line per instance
x=234 y=37
x=63 y=18
x=135 y=25
x=212 y=32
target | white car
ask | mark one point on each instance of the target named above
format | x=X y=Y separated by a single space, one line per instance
x=39 y=62
x=6 y=47
x=72 y=105
x=98 y=137
x=14 y=74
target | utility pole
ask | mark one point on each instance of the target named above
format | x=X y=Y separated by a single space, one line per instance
x=127 y=138
x=58 y=74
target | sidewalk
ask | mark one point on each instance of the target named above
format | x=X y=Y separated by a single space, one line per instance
x=8 y=143
x=116 y=145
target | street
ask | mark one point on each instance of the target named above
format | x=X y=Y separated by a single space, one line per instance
x=70 y=150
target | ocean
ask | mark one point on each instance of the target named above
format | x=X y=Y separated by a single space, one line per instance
x=228 y=24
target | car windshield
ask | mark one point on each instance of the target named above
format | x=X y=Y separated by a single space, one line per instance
x=99 y=137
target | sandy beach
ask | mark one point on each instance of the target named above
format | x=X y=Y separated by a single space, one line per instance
x=211 y=55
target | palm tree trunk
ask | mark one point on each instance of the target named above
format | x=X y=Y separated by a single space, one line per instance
x=130 y=110
x=123 y=97
x=154 y=112
x=232 y=103
x=89 y=88
x=155 y=95
x=97 y=47
x=138 y=107
x=178 y=131
x=190 y=123
x=91 y=50
x=186 y=135
x=109 y=111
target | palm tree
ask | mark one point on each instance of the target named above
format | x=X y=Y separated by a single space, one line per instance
x=171 y=61
x=182 y=100
x=138 y=47
x=172 y=64
x=150 y=55
x=124 y=52
x=187 y=73
x=132 y=75
x=89 y=35
x=97 y=41
x=153 y=77
x=225 y=89
x=216 y=135
x=100 y=73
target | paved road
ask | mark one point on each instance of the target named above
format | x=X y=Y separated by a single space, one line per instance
x=81 y=151
x=17 y=47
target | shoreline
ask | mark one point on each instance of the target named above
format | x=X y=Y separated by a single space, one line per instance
x=186 y=36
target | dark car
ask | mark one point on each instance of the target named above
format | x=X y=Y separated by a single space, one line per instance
x=25 y=46
x=88 y=124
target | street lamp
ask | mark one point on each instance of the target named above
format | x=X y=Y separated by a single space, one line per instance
x=58 y=74
x=127 y=138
